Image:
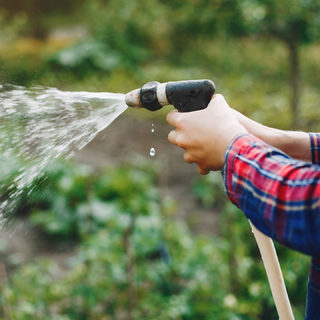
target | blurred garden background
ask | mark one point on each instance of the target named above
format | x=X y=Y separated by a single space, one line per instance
x=114 y=233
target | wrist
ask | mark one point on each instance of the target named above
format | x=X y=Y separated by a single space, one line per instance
x=294 y=143
x=232 y=133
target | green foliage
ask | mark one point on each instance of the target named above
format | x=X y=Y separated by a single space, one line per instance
x=208 y=190
x=14 y=70
x=11 y=25
x=86 y=57
x=98 y=284
x=196 y=22
x=73 y=201
x=292 y=21
x=135 y=262
x=124 y=34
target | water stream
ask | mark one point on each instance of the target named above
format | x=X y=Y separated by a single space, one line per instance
x=39 y=125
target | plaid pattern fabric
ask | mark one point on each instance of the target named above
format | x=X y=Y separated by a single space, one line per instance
x=314 y=277
x=281 y=197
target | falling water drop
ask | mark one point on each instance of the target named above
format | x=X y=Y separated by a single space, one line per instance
x=152 y=152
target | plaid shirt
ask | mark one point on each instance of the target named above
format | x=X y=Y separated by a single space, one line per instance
x=281 y=197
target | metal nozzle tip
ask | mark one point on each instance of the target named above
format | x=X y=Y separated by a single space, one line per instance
x=133 y=99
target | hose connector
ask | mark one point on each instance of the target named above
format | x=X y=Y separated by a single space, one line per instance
x=185 y=96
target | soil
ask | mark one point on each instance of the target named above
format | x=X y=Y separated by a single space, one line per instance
x=127 y=139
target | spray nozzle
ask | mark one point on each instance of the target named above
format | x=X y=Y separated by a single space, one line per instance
x=185 y=96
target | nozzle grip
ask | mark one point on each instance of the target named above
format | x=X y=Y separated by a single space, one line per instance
x=190 y=95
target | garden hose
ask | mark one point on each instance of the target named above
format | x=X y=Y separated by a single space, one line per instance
x=192 y=95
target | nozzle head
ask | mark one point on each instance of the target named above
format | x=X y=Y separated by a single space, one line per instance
x=145 y=97
x=132 y=99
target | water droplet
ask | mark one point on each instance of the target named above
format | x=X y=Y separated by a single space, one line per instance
x=152 y=152
x=152 y=128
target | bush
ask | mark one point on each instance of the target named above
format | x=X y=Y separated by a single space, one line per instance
x=73 y=201
x=135 y=262
x=123 y=35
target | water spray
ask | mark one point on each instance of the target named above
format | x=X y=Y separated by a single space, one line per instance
x=194 y=95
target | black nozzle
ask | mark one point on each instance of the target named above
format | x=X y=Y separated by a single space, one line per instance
x=148 y=96
x=190 y=95
x=185 y=96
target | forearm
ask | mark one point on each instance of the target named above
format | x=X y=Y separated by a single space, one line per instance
x=280 y=195
x=294 y=143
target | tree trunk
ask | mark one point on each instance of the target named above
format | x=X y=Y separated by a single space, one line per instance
x=294 y=82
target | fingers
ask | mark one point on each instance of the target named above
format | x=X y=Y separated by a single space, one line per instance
x=172 y=136
x=218 y=100
x=191 y=159
x=177 y=138
x=172 y=117
x=188 y=158
x=203 y=171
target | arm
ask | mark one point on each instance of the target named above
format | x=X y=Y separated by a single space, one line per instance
x=294 y=143
x=280 y=195
x=298 y=145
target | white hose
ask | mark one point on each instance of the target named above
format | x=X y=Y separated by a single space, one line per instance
x=273 y=270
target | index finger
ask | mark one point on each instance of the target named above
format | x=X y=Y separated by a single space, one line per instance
x=172 y=117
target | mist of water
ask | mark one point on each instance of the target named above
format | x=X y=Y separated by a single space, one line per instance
x=41 y=124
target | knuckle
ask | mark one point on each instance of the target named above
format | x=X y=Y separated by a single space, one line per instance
x=180 y=141
x=187 y=157
x=172 y=117
x=218 y=98
x=203 y=168
x=203 y=171
x=171 y=136
x=180 y=121
x=169 y=117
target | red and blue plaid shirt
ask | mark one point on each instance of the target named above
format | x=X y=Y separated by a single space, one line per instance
x=281 y=197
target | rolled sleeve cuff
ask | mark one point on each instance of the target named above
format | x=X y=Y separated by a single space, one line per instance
x=315 y=147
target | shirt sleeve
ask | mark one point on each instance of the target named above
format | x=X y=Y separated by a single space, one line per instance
x=313 y=298
x=315 y=147
x=280 y=195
